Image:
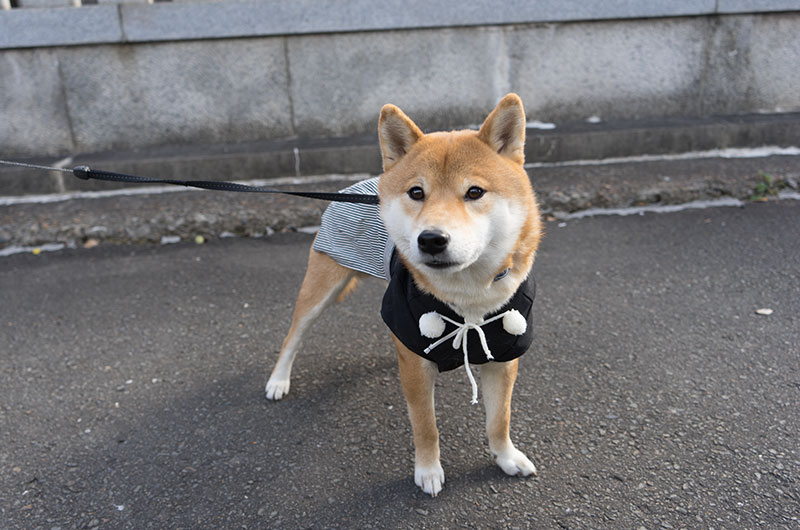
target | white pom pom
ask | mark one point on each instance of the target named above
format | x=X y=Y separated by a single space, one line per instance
x=514 y=322
x=431 y=325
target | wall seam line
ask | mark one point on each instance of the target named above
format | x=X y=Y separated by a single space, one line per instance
x=67 y=113
x=289 y=95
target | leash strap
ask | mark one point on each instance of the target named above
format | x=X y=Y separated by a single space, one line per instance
x=87 y=173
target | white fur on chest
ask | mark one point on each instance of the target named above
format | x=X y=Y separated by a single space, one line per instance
x=468 y=294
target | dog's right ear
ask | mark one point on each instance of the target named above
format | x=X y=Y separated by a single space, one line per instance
x=397 y=134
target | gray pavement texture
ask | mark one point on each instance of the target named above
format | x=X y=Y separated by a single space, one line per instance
x=654 y=395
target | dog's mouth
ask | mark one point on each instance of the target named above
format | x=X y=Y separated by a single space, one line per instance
x=441 y=264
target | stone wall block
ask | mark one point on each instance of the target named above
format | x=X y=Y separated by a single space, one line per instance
x=775 y=60
x=630 y=69
x=33 y=117
x=440 y=78
x=128 y=96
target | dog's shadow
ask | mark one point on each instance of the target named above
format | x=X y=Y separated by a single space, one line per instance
x=398 y=499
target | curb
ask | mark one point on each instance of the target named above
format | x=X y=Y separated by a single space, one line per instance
x=183 y=215
x=361 y=154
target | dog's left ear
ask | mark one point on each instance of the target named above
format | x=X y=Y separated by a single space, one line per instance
x=504 y=129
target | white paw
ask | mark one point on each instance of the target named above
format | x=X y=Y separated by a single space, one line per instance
x=277 y=388
x=429 y=478
x=514 y=462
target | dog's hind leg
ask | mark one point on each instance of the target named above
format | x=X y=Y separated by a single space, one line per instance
x=497 y=380
x=417 y=375
x=325 y=281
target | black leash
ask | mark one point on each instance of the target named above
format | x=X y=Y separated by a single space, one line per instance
x=86 y=173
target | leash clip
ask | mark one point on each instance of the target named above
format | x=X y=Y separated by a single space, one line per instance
x=82 y=172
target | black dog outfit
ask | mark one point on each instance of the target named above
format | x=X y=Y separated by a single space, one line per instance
x=404 y=305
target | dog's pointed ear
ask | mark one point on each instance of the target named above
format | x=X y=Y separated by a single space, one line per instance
x=504 y=129
x=397 y=134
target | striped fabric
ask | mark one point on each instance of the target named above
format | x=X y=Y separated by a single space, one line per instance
x=354 y=235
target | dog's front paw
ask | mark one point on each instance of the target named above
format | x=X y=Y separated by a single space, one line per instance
x=514 y=462
x=277 y=388
x=429 y=478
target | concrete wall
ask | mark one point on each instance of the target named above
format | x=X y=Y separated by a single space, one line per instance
x=134 y=76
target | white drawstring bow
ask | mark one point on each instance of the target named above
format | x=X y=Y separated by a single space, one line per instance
x=431 y=326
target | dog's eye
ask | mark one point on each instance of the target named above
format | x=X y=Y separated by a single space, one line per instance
x=474 y=193
x=416 y=193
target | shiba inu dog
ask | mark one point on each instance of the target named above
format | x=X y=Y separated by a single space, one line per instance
x=456 y=233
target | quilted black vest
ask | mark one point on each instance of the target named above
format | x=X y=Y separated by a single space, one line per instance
x=404 y=304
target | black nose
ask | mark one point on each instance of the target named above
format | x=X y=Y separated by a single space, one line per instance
x=432 y=241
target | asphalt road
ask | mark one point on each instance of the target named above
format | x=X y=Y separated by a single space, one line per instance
x=654 y=395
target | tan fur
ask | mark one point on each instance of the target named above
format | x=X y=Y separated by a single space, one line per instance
x=348 y=289
x=446 y=165
x=325 y=281
x=498 y=383
x=417 y=377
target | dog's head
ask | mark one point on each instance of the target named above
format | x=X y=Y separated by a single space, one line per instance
x=459 y=200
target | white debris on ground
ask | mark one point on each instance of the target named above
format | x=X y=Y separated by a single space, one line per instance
x=543 y=125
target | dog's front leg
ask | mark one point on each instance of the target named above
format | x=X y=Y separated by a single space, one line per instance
x=497 y=380
x=417 y=375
